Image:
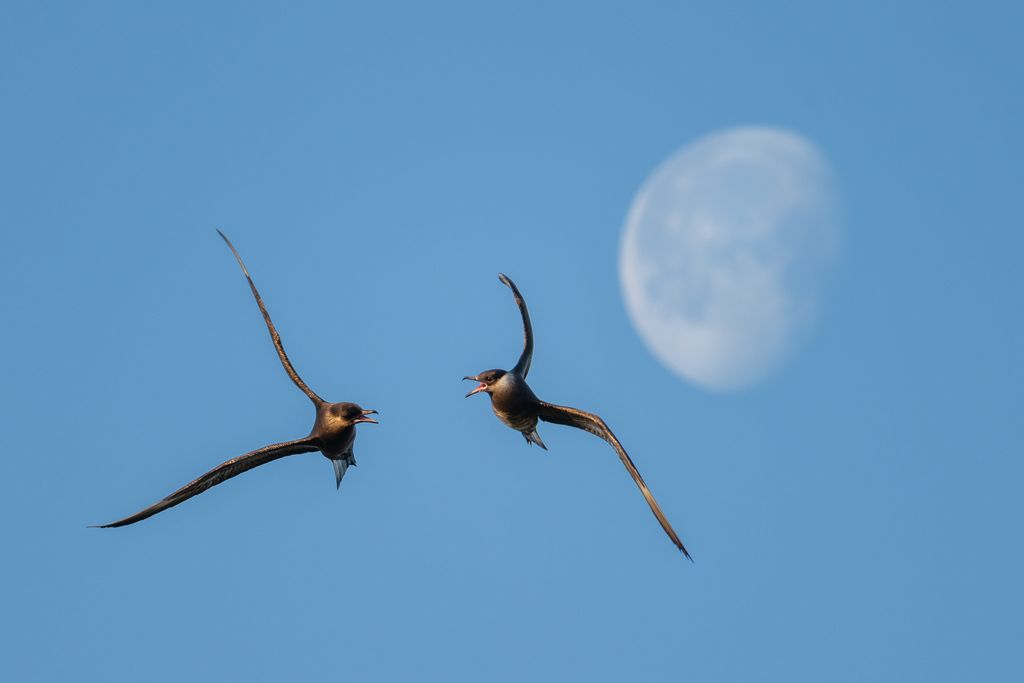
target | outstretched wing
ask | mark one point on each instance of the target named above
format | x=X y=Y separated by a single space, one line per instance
x=522 y=368
x=595 y=425
x=221 y=473
x=273 y=330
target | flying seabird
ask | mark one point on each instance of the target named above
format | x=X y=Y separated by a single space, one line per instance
x=517 y=406
x=333 y=433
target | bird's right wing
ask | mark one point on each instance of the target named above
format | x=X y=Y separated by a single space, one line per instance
x=221 y=473
x=523 y=366
x=589 y=422
x=274 y=336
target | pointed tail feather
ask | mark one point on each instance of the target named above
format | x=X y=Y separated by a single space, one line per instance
x=341 y=466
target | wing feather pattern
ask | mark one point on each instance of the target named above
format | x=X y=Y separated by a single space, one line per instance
x=522 y=367
x=221 y=473
x=274 y=336
x=589 y=422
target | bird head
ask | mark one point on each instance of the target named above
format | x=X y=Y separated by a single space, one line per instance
x=488 y=379
x=349 y=414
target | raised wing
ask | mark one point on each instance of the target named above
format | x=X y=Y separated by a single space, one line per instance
x=221 y=473
x=595 y=425
x=522 y=368
x=273 y=330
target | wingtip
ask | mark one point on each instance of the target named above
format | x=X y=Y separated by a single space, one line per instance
x=238 y=257
x=504 y=279
x=227 y=241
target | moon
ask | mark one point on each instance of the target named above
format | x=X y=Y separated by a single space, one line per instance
x=725 y=253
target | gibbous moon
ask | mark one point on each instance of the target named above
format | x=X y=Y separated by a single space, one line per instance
x=725 y=251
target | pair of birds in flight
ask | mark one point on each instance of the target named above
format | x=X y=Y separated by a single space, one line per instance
x=334 y=427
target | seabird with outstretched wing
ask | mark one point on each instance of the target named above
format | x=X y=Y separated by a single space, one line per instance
x=517 y=406
x=333 y=433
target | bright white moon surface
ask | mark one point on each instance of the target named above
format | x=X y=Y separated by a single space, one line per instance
x=725 y=253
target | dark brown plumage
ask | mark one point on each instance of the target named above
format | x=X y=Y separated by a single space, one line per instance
x=333 y=433
x=517 y=406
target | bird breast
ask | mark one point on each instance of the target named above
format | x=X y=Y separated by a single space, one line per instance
x=514 y=403
x=334 y=443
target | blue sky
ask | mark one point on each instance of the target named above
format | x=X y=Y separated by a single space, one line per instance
x=854 y=517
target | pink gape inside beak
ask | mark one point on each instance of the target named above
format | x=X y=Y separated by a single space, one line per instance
x=478 y=389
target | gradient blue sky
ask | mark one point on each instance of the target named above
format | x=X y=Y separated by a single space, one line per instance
x=855 y=517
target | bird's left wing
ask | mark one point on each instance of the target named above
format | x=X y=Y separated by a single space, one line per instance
x=589 y=422
x=220 y=473
x=522 y=367
x=274 y=336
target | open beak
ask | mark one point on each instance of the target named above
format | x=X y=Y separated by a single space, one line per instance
x=364 y=418
x=478 y=389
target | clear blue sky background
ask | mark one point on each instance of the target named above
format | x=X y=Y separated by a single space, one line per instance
x=856 y=517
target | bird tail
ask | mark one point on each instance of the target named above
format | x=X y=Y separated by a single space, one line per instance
x=340 y=467
x=532 y=437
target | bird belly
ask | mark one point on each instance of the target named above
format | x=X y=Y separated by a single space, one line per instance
x=519 y=421
x=337 y=446
x=515 y=404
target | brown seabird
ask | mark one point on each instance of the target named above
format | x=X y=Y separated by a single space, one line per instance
x=517 y=406
x=333 y=433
